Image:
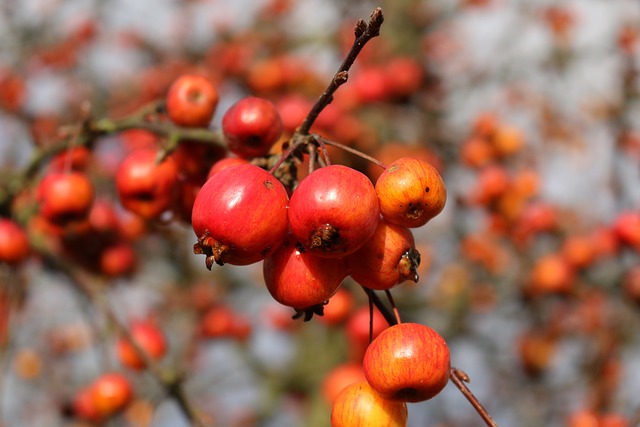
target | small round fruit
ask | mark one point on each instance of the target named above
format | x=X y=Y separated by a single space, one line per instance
x=146 y=187
x=411 y=192
x=334 y=211
x=340 y=377
x=227 y=162
x=240 y=216
x=358 y=405
x=14 y=244
x=65 y=198
x=149 y=338
x=251 y=126
x=111 y=393
x=191 y=101
x=387 y=259
x=408 y=362
x=299 y=279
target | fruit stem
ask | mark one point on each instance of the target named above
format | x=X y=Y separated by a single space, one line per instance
x=375 y=300
x=459 y=378
x=350 y=150
x=393 y=305
x=363 y=32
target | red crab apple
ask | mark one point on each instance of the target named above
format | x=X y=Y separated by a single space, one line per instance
x=411 y=192
x=191 y=101
x=111 y=393
x=358 y=405
x=298 y=279
x=334 y=211
x=240 y=216
x=14 y=244
x=146 y=187
x=408 y=362
x=251 y=126
x=149 y=338
x=65 y=198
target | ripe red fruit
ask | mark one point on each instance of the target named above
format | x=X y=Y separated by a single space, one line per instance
x=191 y=101
x=111 y=393
x=149 y=338
x=226 y=163
x=240 y=216
x=358 y=405
x=194 y=159
x=299 y=279
x=84 y=406
x=411 y=192
x=627 y=227
x=408 y=362
x=65 y=198
x=340 y=377
x=388 y=258
x=251 y=126
x=338 y=308
x=118 y=259
x=14 y=244
x=145 y=186
x=334 y=211
x=361 y=328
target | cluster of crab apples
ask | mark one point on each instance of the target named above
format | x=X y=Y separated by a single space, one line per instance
x=312 y=235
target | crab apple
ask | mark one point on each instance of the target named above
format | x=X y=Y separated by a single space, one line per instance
x=65 y=198
x=358 y=405
x=240 y=216
x=334 y=211
x=149 y=338
x=191 y=101
x=408 y=362
x=111 y=393
x=363 y=326
x=340 y=377
x=14 y=244
x=227 y=162
x=411 y=192
x=298 y=279
x=117 y=259
x=338 y=308
x=388 y=258
x=84 y=406
x=251 y=126
x=146 y=187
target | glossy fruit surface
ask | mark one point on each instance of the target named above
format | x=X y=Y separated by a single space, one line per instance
x=411 y=192
x=358 y=405
x=240 y=216
x=251 y=126
x=340 y=377
x=14 y=244
x=149 y=338
x=146 y=187
x=191 y=101
x=299 y=279
x=388 y=258
x=111 y=393
x=334 y=211
x=408 y=362
x=65 y=197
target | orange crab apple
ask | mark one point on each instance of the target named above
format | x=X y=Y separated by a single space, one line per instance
x=358 y=405
x=411 y=192
x=407 y=362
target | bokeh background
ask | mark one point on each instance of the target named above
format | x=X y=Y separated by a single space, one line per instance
x=530 y=111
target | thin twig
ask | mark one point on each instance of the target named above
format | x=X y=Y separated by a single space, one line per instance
x=171 y=383
x=460 y=378
x=350 y=150
x=363 y=33
x=383 y=309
